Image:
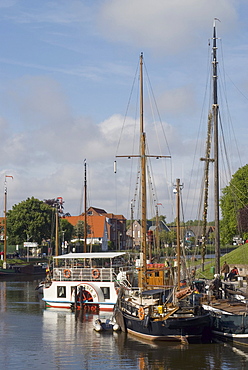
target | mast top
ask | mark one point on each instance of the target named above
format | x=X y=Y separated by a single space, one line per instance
x=214 y=26
x=216 y=19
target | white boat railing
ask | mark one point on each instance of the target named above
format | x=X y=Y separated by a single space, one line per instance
x=84 y=274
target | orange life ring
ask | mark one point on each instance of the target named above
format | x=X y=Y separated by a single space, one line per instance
x=141 y=313
x=67 y=273
x=95 y=274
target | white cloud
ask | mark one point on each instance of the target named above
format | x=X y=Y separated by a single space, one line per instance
x=162 y=25
x=73 y=109
x=39 y=100
x=180 y=100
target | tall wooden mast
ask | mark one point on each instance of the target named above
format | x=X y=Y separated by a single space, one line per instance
x=85 y=207
x=132 y=226
x=156 y=236
x=57 y=228
x=215 y=110
x=143 y=158
x=143 y=177
x=178 y=234
x=207 y=159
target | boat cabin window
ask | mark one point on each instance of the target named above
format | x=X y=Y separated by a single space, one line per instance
x=106 y=292
x=118 y=261
x=61 y=292
x=153 y=274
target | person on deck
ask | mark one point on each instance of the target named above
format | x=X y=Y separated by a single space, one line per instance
x=193 y=272
x=166 y=263
x=225 y=270
x=234 y=272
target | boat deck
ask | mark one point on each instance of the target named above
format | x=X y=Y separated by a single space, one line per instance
x=230 y=307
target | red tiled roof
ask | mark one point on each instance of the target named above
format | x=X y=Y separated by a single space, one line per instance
x=112 y=215
x=98 y=210
x=96 y=224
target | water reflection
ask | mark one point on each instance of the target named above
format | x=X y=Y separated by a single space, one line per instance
x=20 y=295
x=33 y=337
x=176 y=356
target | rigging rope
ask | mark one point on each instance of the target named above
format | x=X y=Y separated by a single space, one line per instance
x=199 y=143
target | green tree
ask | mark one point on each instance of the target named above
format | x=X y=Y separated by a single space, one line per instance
x=29 y=220
x=160 y=218
x=65 y=228
x=193 y=223
x=78 y=230
x=234 y=198
x=168 y=237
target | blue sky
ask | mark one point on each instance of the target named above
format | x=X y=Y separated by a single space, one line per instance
x=66 y=72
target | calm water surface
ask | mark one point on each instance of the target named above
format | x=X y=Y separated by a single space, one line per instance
x=32 y=337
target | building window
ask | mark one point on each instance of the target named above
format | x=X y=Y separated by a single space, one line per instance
x=61 y=292
x=106 y=292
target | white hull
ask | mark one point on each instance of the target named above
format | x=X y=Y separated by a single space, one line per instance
x=61 y=294
x=86 y=280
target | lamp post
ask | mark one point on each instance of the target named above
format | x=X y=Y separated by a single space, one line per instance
x=5 y=224
x=63 y=242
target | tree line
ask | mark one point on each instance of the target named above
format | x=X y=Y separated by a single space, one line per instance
x=34 y=220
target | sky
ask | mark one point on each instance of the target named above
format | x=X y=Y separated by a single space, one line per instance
x=67 y=68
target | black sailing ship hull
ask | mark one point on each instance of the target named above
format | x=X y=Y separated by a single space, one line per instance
x=230 y=328
x=189 y=329
x=22 y=270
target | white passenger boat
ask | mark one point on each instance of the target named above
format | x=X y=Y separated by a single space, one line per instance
x=87 y=280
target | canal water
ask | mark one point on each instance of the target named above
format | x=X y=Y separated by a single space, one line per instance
x=32 y=337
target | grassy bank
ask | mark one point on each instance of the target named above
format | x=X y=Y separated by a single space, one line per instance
x=238 y=256
x=13 y=261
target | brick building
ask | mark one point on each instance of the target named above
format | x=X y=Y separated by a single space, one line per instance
x=103 y=228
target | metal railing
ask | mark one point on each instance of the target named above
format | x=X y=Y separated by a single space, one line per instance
x=83 y=274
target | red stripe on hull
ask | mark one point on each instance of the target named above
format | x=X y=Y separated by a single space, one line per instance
x=107 y=309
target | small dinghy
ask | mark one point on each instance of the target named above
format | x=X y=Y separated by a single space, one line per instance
x=100 y=325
